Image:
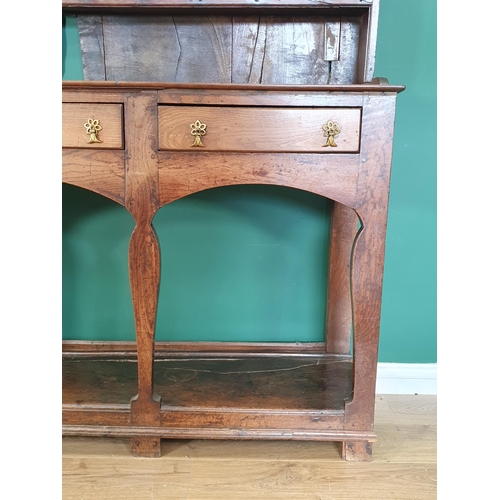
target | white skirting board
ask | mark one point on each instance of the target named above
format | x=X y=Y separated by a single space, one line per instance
x=406 y=378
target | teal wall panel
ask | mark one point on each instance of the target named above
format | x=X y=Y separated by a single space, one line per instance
x=248 y=263
x=72 y=68
x=407 y=54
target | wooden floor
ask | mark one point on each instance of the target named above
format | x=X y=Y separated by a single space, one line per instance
x=403 y=465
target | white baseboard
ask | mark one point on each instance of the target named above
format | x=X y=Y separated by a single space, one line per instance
x=406 y=378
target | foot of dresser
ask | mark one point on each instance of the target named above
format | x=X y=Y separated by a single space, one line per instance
x=356 y=451
x=145 y=446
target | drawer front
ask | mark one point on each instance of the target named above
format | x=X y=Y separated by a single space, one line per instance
x=92 y=126
x=251 y=129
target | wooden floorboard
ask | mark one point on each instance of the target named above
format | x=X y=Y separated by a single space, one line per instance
x=403 y=465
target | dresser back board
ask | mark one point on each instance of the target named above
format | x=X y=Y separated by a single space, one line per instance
x=234 y=41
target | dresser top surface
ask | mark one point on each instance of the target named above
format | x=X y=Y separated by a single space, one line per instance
x=374 y=86
x=245 y=4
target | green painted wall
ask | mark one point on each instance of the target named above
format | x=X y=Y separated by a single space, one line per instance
x=249 y=262
x=407 y=54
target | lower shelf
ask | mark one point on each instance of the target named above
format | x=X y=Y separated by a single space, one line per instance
x=214 y=396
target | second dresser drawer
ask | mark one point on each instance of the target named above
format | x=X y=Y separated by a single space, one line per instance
x=252 y=129
x=92 y=125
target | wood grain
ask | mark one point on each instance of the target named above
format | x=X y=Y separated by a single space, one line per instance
x=367 y=42
x=105 y=479
x=344 y=226
x=142 y=202
x=403 y=465
x=285 y=480
x=246 y=397
x=212 y=4
x=96 y=478
x=112 y=90
x=345 y=68
x=278 y=382
x=293 y=51
x=332 y=176
x=92 y=45
x=144 y=255
x=251 y=129
x=279 y=396
x=79 y=348
x=224 y=47
x=262 y=95
x=368 y=254
x=110 y=117
x=241 y=434
x=100 y=171
x=411 y=442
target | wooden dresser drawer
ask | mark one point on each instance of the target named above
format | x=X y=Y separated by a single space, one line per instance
x=252 y=129
x=92 y=125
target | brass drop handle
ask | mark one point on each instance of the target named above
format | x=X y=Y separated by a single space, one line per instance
x=92 y=128
x=198 y=129
x=330 y=130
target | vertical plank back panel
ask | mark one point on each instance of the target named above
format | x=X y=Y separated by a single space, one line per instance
x=294 y=51
x=344 y=70
x=92 y=47
x=130 y=53
x=205 y=48
x=222 y=48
